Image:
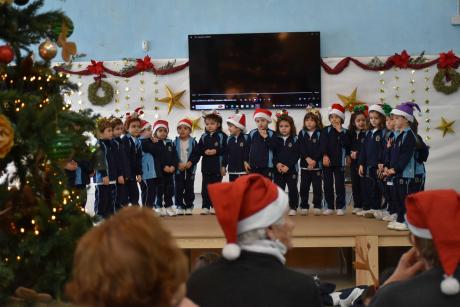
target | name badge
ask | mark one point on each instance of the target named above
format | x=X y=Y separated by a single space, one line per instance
x=290 y=145
x=241 y=144
x=216 y=144
x=294 y=176
x=169 y=148
x=377 y=138
x=314 y=140
x=390 y=183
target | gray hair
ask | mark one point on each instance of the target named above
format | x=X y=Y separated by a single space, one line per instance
x=249 y=237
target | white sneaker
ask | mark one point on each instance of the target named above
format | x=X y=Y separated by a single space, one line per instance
x=390 y=218
x=205 y=211
x=361 y=213
x=328 y=212
x=378 y=214
x=340 y=212
x=303 y=212
x=397 y=226
x=356 y=210
x=180 y=212
x=157 y=211
x=170 y=211
x=317 y=211
x=188 y=211
x=292 y=212
x=163 y=211
x=212 y=211
x=369 y=214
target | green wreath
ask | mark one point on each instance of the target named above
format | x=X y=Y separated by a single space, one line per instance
x=441 y=86
x=107 y=89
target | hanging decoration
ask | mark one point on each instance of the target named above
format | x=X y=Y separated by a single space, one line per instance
x=6 y=54
x=449 y=75
x=106 y=89
x=446 y=127
x=6 y=136
x=173 y=99
x=47 y=50
x=427 y=105
x=69 y=49
x=349 y=102
x=382 y=86
x=196 y=124
x=61 y=147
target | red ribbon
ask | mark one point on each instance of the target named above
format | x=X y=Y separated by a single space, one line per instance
x=144 y=64
x=448 y=60
x=97 y=68
x=401 y=60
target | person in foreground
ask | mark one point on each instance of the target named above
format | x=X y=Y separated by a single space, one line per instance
x=129 y=260
x=252 y=212
x=428 y=274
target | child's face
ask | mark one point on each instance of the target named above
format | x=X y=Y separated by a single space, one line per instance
x=310 y=124
x=107 y=134
x=183 y=131
x=117 y=131
x=146 y=133
x=285 y=128
x=335 y=120
x=234 y=130
x=374 y=119
x=161 y=133
x=261 y=123
x=400 y=122
x=134 y=128
x=360 y=122
x=389 y=123
x=211 y=125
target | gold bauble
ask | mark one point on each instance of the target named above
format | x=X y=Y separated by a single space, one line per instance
x=47 y=50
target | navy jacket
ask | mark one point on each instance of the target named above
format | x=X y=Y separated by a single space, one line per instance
x=133 y=164
x=237 y=153
x=217 y=141
x=167 y=155
x=192 y=151
x=335 y=145
x=402 y=153
x=356 y=141
x=110 y=164
x=372 y=151
x=310 y=147
x=148 y=147
x=79 y=178
x=261 y=150
x=121 y=155
x=287 y=152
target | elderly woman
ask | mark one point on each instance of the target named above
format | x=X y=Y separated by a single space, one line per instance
x=428 y=275
x=252 y=212
x=129 y=260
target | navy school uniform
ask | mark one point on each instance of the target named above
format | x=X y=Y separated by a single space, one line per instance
x=211 y=165
x=372 y=154
x=79 y=179
x=151 y=171
x=421 y=156
x=261 y=153
x=335 y=145
x=184 y=181
x=356 y=141
x=132 y=167
x=309 y=147
x=167 y=156
x=402 y=160
x=388 y=182
x=286 y=151
x=105 y=195
x=237 y=154
x=122 y=195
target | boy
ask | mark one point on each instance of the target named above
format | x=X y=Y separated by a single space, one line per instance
x=150 y=168
x=261 y=145
x=237 y=146
x=79 y=173
x=117 y=131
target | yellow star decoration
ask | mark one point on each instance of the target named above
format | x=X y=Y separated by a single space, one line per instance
x=349 y=102
x=173 y=99
x=446 y=126
x=196 y=124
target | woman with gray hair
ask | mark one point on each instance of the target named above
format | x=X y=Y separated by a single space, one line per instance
x=252 y=212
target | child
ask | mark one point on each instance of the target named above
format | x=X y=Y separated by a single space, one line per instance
x=187 y=157
x=131 y=145
x=390 y=213
x=261 y=147
x=421 y=156
x=117 y=131
x=167 y=158
x=371 y=161
x=310 y=161
x=402 y=160
x=212 y=147
x=286 y=157
x=237 y=146
x=334 y=145
x=106 y=171
x=357 y=132
x=79 y=173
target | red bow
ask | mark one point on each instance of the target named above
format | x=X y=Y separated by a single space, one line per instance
x=97 y=68
x=401 y=60
x=448 y=60
x=144 y=64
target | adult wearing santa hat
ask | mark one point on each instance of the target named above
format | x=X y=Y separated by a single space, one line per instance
x=428 y=275
x=252 y=212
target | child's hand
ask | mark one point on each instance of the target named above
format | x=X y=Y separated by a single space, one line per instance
x=223 y=171
x=181 y=166
x=247 y=167
x=188 y=164
x=337 y=127
x=105 y=180
x=166 y=169
x=263 y=133
x=285 y=169
x=121 y=180
x=210 y=152
x=138 y=178
x=154 y=139
x=391 y=172
x=353 y=155
x=326 y=161
x=311 y=163
x=389 y=142
x=71 y=166
x=348 y=160
x=279 y=167
x=361 y=171
x=172 y=169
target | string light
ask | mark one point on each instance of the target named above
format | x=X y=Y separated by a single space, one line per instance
x=18 y=258
x=37 y=232
x=32 y=222
x=22 y=230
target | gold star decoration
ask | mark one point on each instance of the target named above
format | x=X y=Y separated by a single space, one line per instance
x=446 y=126
x=173 y=99
x=196 y=124
x=349 y=102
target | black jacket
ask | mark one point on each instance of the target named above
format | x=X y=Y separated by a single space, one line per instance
x=356 y=141
x=335 y=145
x=237 y=153
x=217 y=141
x=287 y=152
x=85 y=171
x=167 y=155
x=252 y=280
x=261 y=150
x=133 y=163
x=372 y=150
x=310 y=147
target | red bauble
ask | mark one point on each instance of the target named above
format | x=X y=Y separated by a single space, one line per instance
x=6 y=54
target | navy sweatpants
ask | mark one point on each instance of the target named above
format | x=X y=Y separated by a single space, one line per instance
x=208 y=179
x=334 y=176
x=372 y=194
x=289 y=179
x=104 y=201
x=132 y=191
x=356 y=186
x=165 y=190
x=184 y=183
x=307 y=178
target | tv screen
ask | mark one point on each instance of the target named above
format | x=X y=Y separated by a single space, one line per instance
x=245 y=71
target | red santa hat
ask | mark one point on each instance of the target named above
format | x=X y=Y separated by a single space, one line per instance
x=250 y=202
x=185 y=122
x=338 y=110
x=160 y=124
x=145 y=125
x=435 y=215
x=238 y=120
x=263 y=113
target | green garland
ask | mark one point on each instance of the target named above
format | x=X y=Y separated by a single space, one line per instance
x=440 y=85
x=100 y=100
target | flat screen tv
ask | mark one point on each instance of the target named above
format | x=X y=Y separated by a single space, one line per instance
x=245 y=71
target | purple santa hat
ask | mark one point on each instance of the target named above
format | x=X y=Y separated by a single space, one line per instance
x=406 y=109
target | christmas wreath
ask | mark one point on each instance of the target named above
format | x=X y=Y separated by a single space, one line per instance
x=97 y=100
x=447 y=74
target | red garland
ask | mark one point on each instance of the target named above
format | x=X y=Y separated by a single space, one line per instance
x=96 y=68
x=448 y=60
x=400 y=60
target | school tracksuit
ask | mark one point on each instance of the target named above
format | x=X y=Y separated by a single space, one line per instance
x=237 y=154
x=356 y=141
x=261 y=153
x=151 y=172
x=132 y=167
x=167 y=157
x=79 y=179
x=184 y=181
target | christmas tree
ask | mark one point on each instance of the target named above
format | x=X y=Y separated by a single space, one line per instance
x=40 y=217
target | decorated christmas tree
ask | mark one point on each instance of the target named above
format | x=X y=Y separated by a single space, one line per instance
x=41 y=218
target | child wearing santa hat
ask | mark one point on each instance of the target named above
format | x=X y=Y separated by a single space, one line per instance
x=334 y=147
x=261 y=145
x=237 y=146
x=187 y=157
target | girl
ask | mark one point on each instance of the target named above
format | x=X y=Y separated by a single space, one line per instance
x=390 y=214
x=237 y=146
x=310 y=161
x=370 y=161
x=261 y=147
x=117 y=128
x=421 y=156
x=357 y=132
x=285 y=158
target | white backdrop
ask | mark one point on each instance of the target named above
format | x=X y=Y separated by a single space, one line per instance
x=444 y=161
